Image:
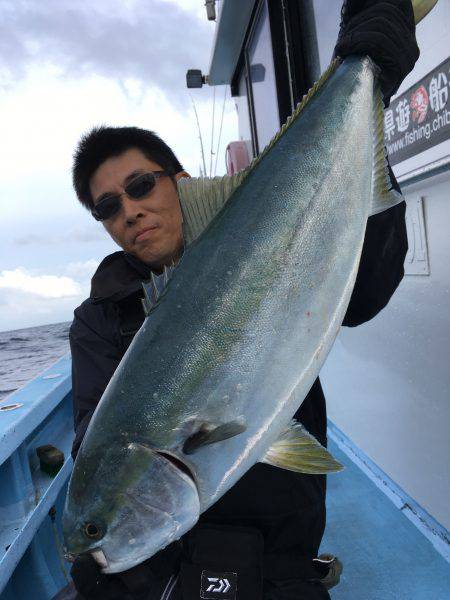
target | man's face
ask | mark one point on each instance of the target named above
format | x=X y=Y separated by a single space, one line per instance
x=149 y=228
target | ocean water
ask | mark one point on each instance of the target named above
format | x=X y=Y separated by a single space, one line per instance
x=24 y=353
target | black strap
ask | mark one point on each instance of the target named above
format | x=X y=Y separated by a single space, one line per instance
x=131 y=316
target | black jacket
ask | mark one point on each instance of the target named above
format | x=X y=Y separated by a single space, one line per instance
x=288 y=508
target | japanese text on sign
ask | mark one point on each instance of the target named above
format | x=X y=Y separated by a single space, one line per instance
x=419 y=118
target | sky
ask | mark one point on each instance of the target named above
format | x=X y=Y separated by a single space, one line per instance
x=66 y=66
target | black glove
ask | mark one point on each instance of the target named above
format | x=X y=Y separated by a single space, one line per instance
x=146 y=581
x=385 y=31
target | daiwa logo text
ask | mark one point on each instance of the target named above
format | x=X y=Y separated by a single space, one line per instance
x=215 y=586
x=218 y=585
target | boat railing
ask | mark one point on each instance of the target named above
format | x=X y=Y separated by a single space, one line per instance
x=36 y=432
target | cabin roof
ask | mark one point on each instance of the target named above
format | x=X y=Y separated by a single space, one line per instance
x=232 y=24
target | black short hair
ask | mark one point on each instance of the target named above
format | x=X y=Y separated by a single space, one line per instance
x=102 y=143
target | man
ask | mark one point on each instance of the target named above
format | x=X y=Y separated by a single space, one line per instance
x=127 y=178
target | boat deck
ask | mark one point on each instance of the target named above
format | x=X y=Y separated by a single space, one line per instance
x=385 y=555
x=390 y=547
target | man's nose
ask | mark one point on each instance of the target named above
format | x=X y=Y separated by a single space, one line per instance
x=132 y=210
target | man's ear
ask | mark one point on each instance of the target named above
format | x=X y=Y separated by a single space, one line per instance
x=182 y=174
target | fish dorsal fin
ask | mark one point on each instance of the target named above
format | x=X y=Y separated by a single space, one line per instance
x=202 y=198
x=155 y=287
x=209 y=433
x=299 y=451
x=384 y=196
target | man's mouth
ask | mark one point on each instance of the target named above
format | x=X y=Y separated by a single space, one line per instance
x=144 y=233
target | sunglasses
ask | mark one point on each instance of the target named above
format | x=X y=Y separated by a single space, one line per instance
x=137 y=189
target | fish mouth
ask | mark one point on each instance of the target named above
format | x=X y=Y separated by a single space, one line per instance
x=111 y=567
x=99 y=556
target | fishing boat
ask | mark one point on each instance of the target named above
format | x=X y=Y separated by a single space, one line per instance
x=387 y=382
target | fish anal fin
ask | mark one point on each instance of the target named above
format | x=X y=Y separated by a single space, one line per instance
x=209 y=433
x=149 y=299
x=155 y=287
x=297 y=450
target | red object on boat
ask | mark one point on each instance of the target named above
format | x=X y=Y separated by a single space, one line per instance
x=236 y=157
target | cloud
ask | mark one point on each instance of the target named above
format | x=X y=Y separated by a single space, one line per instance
x=73 y=235
x=30 y=297
x=45 y=286
x=137 y=43
x=20 y=309
x=82 y=271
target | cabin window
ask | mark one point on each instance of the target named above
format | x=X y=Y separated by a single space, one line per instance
x=245 y=127
x=262 y=79
x=278 y=63
x=327 y=17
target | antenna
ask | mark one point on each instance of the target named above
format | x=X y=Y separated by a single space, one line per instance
x=220 y=130
x=199 y=136
x=212 y=131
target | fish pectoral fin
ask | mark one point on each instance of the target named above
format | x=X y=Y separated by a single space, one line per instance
x=209 y=433
x=297 y=450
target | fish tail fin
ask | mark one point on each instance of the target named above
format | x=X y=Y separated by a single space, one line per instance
x=421 y=8
x=384 y=195
x=297 y=450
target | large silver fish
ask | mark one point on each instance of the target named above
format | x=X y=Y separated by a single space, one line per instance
x=235 y=338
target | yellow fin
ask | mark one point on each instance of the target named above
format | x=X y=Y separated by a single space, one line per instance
x=297 y=450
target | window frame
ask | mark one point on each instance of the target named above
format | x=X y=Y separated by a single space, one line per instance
x=288 y=24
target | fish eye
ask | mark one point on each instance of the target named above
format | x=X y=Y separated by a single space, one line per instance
x=92 y=531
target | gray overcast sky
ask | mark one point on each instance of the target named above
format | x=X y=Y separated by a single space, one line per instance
x=150 y=41
x=65 y=66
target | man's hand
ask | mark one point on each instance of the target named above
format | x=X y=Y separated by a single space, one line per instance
x=385 y=31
